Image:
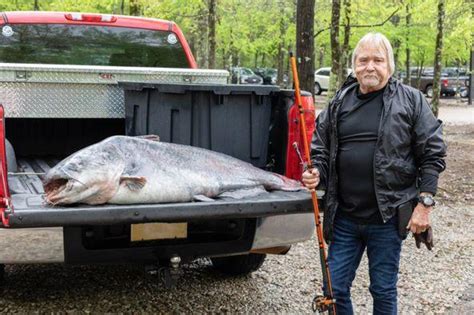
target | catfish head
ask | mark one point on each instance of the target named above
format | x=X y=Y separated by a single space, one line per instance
x=91 y=175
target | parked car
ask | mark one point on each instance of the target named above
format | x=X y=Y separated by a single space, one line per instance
x=321 y=79
x=242 y=75
x=450 y=84
x=270 y=75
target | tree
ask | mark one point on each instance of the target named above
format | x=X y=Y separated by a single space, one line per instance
x=345 y=53
x=407 y=43
x=281 y=44
x=212 y=33
x=438 y=53
x=305 y=43
x=335 y=48
x=134 y=7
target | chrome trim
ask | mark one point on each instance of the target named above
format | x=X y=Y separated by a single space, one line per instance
x=46 y=73
x=69 y=91
x=283 y=230
x=33 y=245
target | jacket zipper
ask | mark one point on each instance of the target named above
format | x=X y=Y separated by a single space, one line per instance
x=386 y=105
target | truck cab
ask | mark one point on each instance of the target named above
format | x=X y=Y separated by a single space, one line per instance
x=68 y=80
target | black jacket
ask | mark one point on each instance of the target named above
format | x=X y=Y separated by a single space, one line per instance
x=409 y=143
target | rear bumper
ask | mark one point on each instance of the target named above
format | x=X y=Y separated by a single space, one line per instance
x=283 y=230
x=47 y=245
x=451 y=90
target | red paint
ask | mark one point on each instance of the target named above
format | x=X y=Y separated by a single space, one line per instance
x=294 y=169
x=35 y=17
x=4 y=191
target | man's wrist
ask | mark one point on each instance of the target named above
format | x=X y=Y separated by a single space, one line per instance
x=426 y=200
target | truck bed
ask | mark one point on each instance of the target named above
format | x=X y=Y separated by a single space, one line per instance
x=30 y=209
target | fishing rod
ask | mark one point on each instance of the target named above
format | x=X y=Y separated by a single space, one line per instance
x=325 y=302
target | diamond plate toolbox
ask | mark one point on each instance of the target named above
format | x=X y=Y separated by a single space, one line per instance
x=68 y=91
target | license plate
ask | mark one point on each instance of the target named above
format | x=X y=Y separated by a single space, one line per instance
x=158 y=231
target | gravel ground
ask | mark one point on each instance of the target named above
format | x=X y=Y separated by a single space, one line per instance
x=436 y=282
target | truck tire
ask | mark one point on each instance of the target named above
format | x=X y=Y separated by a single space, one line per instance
x=429 y=91
x=317 y=89
x=238 y=265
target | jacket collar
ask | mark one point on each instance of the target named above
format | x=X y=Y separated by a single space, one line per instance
x=351 y=81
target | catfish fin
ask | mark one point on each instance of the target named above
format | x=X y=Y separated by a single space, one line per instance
x=150 y=137
x=202 y=198
x=134 y=183
x=243 y=193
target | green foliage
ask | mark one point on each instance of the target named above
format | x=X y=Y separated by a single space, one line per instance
x=248 y=31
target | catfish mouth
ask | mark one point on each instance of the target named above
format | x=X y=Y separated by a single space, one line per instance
x=54 y=190
x=56 y=185
x=61 y=190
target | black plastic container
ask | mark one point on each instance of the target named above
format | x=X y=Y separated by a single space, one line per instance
x=232 y=119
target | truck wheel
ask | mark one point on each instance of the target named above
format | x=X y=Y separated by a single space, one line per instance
x=429 y=91
x=317 y=89
x=238 y=265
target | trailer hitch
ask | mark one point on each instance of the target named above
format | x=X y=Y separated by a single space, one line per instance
x=168 y=274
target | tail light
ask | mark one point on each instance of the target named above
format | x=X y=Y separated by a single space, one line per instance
x=445 y=82
x=90 y=17
x=293 y=168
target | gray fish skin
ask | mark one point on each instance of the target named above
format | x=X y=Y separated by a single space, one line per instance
x=132 y=170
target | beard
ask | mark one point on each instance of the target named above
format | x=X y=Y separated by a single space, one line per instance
x=370 y=80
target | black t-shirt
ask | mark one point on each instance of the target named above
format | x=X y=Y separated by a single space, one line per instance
x=358 y=125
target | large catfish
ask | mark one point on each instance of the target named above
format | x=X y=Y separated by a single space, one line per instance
x=129 y=170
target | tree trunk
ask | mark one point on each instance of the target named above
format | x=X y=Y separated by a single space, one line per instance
x=212 y=33
x=122 y=7
x=281 y=44
x=438 y=54
x=134 y=7
x=36 y=6
x=342 y=74
x=335 y=48
x=407 y=43
x=396 y=43
x=421 y=66
x=203 y=30
x=305 y=43
x=471 y=75
x=321 y=57
x=224 y=59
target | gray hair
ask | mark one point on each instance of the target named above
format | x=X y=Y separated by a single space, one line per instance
x=378 y=40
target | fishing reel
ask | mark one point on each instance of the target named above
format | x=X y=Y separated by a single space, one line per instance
x=322 y=304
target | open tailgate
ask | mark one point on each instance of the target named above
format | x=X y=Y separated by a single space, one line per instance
x=30 y=211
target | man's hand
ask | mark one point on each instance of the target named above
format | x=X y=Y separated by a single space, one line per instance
x=311 y=178
x=420 y=219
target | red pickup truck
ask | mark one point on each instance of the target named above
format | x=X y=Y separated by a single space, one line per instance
x=68 y=80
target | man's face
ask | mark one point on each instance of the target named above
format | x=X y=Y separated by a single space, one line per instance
x=371 y=68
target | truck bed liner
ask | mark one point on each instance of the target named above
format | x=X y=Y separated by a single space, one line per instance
x=31 y=211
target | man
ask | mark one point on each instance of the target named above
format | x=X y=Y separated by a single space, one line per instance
x=377 y=149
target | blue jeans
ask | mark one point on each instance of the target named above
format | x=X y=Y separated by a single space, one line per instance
x=383 y=251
